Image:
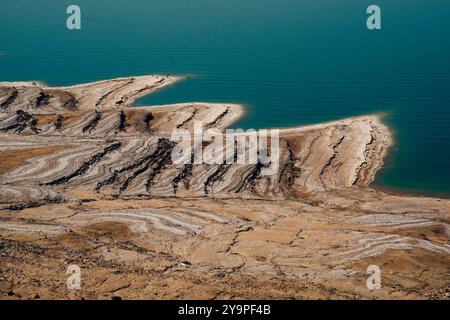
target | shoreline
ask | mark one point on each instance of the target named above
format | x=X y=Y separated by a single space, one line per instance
x=399 y=192
x=238 y=112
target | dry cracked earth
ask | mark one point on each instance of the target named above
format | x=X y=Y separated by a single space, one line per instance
x=86 y=179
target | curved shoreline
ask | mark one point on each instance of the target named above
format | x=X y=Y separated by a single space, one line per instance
x=146 y=85
x=324 y=156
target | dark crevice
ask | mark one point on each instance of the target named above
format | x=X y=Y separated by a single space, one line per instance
x=122 y=122
x=13 y=95
x=162 y=151
x=330 y=161
x=42 y=99
x=156 y=162
x=86 y=165
x=91 y=125
x=103 y=98
x=188 y=119
x=58 y=122
x=21 y=122
x=71 y=102
x=148 y=119
x=35 y=203
x=364 y=164
x=250 y=179
x=33 y=124
x=163 y=159
x=216 y=175
x=126 y=97
x=183 y=176
x=134 y=175
x=218 y=119
x=115 y=174
x=290 y=171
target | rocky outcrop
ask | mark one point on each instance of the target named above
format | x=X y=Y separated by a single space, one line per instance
x=317 y=158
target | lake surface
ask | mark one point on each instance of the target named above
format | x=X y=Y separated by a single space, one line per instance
x=291 y=62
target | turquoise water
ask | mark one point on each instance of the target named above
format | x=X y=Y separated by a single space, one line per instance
x=290 y=62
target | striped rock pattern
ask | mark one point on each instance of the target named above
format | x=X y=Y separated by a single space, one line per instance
x=86 y=178
x=96 y=140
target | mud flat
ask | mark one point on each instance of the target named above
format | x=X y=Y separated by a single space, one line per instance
x=87 y=179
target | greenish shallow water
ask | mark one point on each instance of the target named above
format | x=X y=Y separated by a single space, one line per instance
x=291 y=62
